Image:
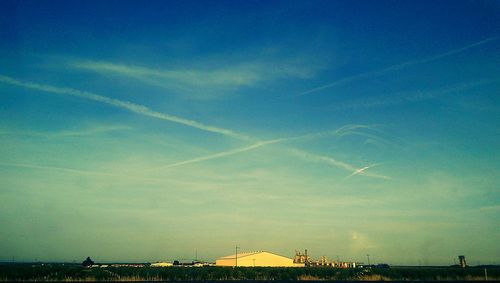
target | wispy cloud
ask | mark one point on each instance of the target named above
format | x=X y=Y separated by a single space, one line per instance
x=91 y=131
x=62 y=169
x=342 y=131
x=359 y=242
x=112 y=175
x=368 y=131
x=130 y=106
x=202 y=82
x=491 y=208
x=407 y=97
x=397 y=67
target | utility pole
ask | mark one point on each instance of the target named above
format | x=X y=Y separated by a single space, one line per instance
x=307 y=259
x=368 y=256
x=236 y=256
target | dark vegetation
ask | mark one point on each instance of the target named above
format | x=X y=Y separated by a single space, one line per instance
x=69 y=272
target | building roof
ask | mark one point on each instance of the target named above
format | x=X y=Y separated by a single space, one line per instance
x=245 y=254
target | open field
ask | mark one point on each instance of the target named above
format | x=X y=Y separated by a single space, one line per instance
x=73 y=272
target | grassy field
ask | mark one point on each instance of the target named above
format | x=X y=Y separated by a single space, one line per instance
x=73 y=272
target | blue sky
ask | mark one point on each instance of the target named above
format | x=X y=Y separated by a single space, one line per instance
x=142 y=131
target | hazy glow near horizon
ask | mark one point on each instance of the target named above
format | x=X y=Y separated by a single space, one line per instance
x=153 y=132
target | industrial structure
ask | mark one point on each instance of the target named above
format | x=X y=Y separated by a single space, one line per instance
x=461 y=261
x=305 y=259
x=251 y=259
x=302 y=258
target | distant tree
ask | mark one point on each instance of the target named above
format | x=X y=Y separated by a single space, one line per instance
x=88 y=262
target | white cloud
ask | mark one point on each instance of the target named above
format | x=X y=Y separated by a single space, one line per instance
x=201 y=82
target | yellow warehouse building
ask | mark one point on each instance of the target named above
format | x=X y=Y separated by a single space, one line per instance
x=251 y=259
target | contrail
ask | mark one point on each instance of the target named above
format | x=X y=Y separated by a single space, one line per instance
x=64 y=134
x=256 y=145
x=331 y=161
x=398 y=66
x=304 y=155
x=220 y=154
x=69 y=170
x=143 y=110
x=362 y=171
x=322 y=159
x=85 y=172
x=299 y=153
x=132 y=107
x=410 y=96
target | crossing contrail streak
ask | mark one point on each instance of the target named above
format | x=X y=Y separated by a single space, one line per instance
x=362 y=171
x=143 y=110
x=220 y=154
x=328 y=160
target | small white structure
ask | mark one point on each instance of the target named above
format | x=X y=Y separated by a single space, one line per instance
x=251 y=259
x=161 y=264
